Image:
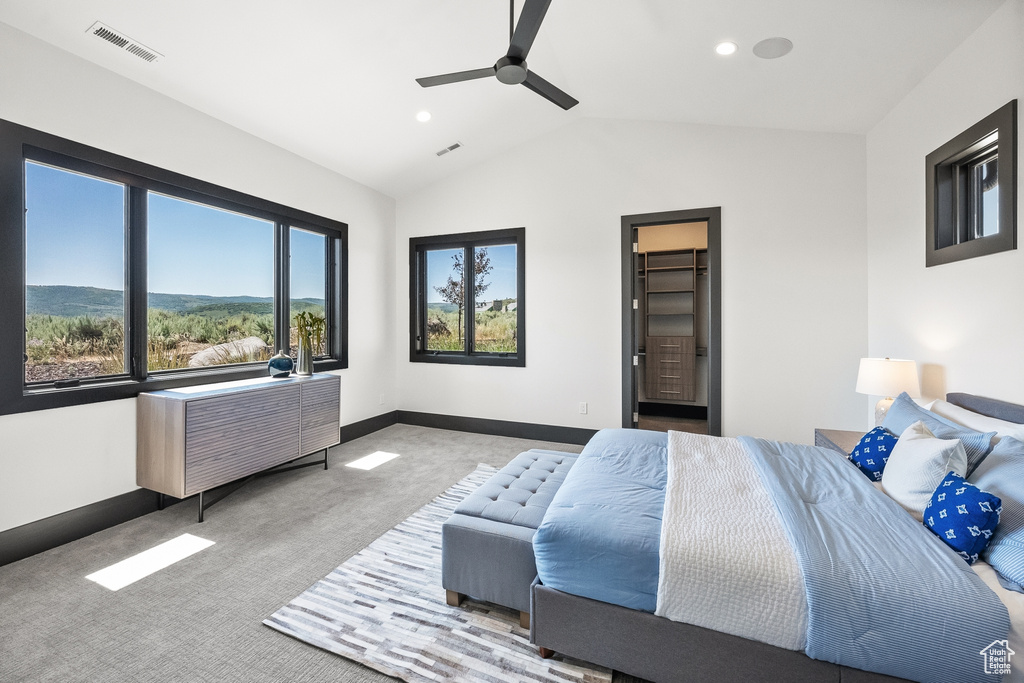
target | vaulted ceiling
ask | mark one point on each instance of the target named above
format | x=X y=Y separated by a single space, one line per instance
x=333 y=80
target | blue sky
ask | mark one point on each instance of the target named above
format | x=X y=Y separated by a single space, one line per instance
x=502 y=276
x=75 y=236
x=75 y=233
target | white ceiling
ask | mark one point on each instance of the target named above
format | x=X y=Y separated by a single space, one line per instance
x=333 y=80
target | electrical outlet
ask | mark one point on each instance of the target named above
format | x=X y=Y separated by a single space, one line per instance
x=583 y=407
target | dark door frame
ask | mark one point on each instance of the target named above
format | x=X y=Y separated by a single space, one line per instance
x=713 y=216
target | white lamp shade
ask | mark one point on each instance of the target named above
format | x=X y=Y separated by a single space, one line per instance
x=888 y=377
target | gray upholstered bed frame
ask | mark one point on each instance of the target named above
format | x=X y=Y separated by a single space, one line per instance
x=655 y=648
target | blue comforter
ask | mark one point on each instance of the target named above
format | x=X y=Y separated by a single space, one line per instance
x=600 y=536
x=883 y=594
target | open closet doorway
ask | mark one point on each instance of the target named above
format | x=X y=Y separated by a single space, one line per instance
x=671 y=321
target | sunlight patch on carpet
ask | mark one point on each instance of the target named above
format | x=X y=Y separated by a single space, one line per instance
x=368 y=462
x=126 y=572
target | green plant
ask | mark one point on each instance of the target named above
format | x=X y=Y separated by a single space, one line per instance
x=165 y=354
x=311 y=329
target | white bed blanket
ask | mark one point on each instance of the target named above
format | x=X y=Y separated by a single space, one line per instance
x=726 y=563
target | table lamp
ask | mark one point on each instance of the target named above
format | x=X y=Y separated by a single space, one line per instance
x=887 y=377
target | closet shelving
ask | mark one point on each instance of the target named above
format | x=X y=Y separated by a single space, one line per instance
x=672 y=326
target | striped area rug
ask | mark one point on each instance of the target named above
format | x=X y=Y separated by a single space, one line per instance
x=385 y=608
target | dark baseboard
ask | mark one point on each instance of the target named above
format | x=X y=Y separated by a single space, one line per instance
x=351 y=432
x=36 y=537
x=478 y=425
x=45 y=534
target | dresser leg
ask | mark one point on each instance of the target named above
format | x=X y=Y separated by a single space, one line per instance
x=200 y=507
x=325 y=458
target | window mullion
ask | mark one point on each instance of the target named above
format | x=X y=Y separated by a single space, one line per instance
x=282 y=286
x=136 y=284
x=469 y=288
x=329 y=316
x=420 y=343
x=334 y=304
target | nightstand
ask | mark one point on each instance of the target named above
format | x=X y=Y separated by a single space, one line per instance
x=840 y=440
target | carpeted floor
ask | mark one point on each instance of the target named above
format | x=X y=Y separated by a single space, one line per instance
x=201 y=619
x=383 y=608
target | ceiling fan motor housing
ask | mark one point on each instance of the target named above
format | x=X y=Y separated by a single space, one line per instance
x=510 y=70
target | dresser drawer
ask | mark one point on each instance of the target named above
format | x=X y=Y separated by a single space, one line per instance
x=664 y=372
x=667 y=367
x=670 y=346
x=671 y=394
x=670 y=368
x=232 y=436
x=321 y=407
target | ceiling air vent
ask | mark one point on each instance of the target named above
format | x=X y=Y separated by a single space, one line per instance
x=122 y=41
x=449 y=148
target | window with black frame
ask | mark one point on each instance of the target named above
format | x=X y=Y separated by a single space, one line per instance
x=135 y=278
x=971 y=191
x=467 y=298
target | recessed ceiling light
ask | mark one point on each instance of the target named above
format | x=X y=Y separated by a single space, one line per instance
x=772 y=48
x=725 y=48
x=423 y=116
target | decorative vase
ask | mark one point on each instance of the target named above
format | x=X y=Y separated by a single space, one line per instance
x=304 y=363
x=280 y=365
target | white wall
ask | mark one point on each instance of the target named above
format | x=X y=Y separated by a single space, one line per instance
x=793 y=277
x=963 y=322
x=57 y=460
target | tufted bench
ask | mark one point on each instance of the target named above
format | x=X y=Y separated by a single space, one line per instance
x=487 y=543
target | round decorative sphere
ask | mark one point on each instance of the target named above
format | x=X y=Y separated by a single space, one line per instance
x=280 y=365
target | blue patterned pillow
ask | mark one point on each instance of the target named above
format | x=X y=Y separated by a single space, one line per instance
x=963 y=516
x=872 y=452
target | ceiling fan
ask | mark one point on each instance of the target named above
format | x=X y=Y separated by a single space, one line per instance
x=511 y=69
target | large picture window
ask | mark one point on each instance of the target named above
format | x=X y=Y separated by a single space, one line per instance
x=467 y=298
x=119 y=277
x=74 y=276
x=204 y=310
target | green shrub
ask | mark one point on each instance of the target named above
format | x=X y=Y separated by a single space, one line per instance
x=64 y=340
x=495 y=331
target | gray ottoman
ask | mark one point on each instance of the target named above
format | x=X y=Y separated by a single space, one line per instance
x=487 y=544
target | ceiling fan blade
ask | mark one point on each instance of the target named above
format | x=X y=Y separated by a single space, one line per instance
x=444 y=79
x=548 y=91
x=526 y=30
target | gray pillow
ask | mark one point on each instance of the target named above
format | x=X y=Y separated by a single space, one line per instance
x=904 y=412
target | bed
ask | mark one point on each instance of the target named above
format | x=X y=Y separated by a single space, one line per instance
x=605 y=594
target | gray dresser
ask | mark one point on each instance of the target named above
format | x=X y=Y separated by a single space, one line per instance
x=193 y=439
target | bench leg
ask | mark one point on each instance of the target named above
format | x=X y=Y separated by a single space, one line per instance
x=452 y=598
x=524 y=619
x=546 y=653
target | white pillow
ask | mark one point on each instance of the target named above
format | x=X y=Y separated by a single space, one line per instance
x=977 y=421
x=917 y=464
